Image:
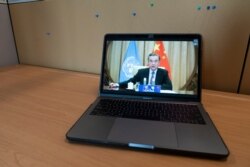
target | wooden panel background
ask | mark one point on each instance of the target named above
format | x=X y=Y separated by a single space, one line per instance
x=8 y=55
x=245 y=84
x=68 y=34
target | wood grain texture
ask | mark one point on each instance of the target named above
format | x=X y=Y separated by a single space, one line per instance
x=38 y=105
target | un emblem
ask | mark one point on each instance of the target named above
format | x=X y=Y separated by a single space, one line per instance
x=128 y=66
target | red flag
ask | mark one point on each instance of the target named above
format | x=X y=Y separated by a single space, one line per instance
x=160 y=50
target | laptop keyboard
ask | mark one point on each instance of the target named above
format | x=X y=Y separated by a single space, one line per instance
x=169 y=112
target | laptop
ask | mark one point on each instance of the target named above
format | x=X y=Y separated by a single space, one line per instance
x=166 y=115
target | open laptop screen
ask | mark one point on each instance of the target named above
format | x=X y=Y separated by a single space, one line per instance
x=129 y=62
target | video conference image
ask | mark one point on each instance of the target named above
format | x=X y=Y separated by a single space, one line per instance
x=152 y=66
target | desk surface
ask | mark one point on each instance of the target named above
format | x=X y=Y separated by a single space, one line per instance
x=38 y=105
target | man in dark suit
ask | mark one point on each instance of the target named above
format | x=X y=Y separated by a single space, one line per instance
x=152 y=75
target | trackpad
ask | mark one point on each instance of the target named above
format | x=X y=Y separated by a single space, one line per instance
x=160 y=134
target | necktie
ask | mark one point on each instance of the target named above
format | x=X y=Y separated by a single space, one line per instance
x=152 y=78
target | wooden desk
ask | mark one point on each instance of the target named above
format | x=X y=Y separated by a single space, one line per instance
x=38 y=105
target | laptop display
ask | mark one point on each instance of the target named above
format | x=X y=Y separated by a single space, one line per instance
x=150 y=97
x=126 y=60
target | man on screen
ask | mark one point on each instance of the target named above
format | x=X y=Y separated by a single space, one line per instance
x=151 y=76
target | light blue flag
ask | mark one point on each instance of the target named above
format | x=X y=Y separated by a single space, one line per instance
x=131 y=59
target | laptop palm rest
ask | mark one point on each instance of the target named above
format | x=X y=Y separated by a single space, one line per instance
x=143 y=132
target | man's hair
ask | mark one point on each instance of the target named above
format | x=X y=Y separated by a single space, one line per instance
x=154 y=54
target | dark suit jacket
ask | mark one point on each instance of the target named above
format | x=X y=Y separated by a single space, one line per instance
x=161 y=78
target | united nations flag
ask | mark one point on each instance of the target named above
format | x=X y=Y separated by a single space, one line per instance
x=131 y=59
